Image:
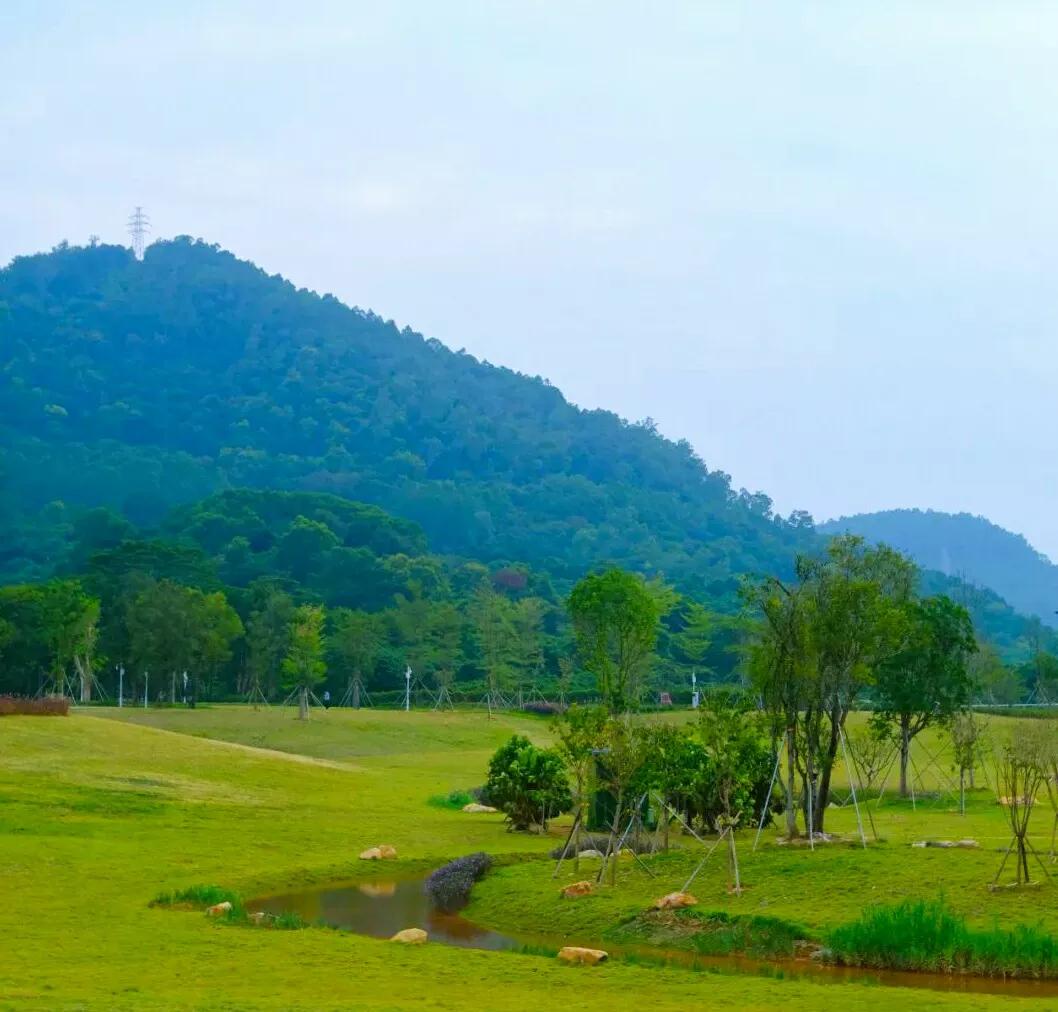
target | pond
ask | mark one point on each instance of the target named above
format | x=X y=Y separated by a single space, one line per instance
x=380 y=909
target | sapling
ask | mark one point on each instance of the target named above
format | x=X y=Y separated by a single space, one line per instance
x=1022 y=766
x=965 y=731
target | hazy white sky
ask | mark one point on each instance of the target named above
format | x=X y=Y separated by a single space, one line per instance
x=817 y=240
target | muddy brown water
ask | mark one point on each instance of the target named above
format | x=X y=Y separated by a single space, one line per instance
x=380 y=909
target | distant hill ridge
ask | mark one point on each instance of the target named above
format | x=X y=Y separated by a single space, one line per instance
x=148 y=385
x=969 y=547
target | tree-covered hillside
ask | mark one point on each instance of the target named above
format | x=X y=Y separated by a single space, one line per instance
x=968 y=547
x=144 y=385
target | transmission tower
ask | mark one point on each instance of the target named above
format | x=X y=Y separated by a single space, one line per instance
x=139 y=226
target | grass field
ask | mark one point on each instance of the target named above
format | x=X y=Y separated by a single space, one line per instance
x=97 y=816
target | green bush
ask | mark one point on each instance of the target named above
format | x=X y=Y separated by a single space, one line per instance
x=196 y=897
x=453 y=799
x=527 y=783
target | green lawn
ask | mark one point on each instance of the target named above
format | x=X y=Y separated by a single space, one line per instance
x=98 y=815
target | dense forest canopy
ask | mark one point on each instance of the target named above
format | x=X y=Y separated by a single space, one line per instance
x=143 y=385
x=968 y=547
x=193 y=421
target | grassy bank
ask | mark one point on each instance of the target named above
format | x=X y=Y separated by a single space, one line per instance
x=97 y=817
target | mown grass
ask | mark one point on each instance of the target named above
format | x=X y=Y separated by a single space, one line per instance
x=926 y=935
x=171 y=811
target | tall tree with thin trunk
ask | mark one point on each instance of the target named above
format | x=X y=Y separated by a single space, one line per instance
x=615 y=619
x=926 y=679
x=303 y=666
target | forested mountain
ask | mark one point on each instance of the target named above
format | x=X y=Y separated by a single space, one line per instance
x=968 y=547
x=169 y=390
x=143 y=385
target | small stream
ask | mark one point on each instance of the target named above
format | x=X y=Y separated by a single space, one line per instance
x=381 y=909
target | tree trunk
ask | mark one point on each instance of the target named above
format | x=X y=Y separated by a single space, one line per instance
x=303 y=703
x=356 y=692
x=732 y=859
x=905 y=755
x=962 y=791
x=791 y=808
x=615 y=829
x=172 y=688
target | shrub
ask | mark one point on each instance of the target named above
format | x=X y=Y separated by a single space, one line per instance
x=926 y=935
x=542 y=708
x=196 y=897
x=449 y=887
x=527 y=783
x=46 y=706
x=453 y=799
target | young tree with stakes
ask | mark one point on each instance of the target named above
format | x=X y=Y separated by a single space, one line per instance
x=926 y=679
x=303 y=666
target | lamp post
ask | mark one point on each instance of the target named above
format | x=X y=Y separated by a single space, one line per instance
x=407 y=688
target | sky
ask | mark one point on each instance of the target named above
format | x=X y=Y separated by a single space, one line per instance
x=815 y=239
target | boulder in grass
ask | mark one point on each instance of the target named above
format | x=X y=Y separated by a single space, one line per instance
x=674 y=901
x=371 y=854
x=219 y=909
x=577 y=955
x=475 y=809
x=258 y=917
x=571 y=892
x=590 y=853
x=410 y=936
x=387 y=852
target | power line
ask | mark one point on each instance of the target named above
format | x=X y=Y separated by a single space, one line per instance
x=139 y=225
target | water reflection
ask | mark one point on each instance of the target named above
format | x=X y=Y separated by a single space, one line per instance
x=381 y=909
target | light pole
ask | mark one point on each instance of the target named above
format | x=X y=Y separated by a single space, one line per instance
x=407 y=688
x=121 y=685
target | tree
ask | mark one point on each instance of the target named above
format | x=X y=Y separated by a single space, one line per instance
x=965 y=730
x=615 y=621
x=527 y=648
x=815 y=646
x=528 y=784
x=1022 y=765
x=353 y=647
x=870 y=752
x=490 y=616
x=926 y=679
x=856 y=595
x=728 y=732
x=580 y=732
x=303 y=666
x=174 y=629
x=781 y=664
x=622 y=762
x=268 y=636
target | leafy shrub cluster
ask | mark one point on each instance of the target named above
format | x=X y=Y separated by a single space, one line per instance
x=449 y=887
x=528 y=784
x=46 y=706
x=926 y=935
x=453 y=799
